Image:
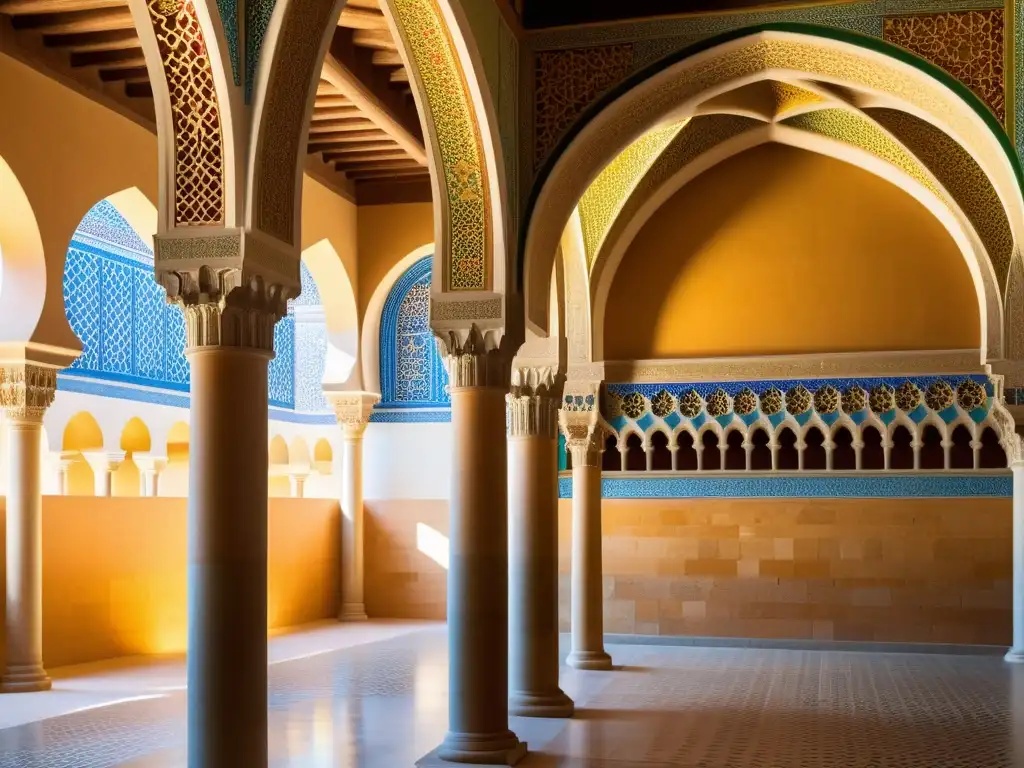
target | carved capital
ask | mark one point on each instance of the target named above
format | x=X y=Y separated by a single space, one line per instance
x=581 y=423
x=352 y=409
x=533 y=402
x=26 y=390
x=233 y=286
x=475 y=358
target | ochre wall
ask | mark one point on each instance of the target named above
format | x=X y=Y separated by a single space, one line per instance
x=326 y=214
x=902 y=570
x=114 y=573
x=782 y=251
x=402 y=581
x=387 y=234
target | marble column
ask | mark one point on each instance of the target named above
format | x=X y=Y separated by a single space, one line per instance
x=230 y=313
x=533 y=545
x=104 y=464
x=1016 y=652
x=64 y=460
x=352 y=409
x=297 y=482
x=26 y=391
x=585 y=442
x=478 y=380
x=150 y=468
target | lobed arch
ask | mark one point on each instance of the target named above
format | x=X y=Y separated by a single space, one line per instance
x=864 y=72
x=683 y=168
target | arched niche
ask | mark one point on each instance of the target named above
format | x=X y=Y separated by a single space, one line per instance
x=328 y=295
x=135 y=438
x=812 y=243
x=82 y=433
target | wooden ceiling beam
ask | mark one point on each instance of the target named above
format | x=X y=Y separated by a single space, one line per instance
x=345 y=124
x=378 y=165
x=384 y=156
x=359 y=148
x=373 y=107
x=335 y=100
x=103 y=20
x=107 y=57
x=362 y=18
x=348 y=137
x=400 y=75
x=85 y=42
x=126 y=73
x=371 y=4
x=387 y=59
x=378 y=39
x=410 y=173
x=21 y=7
x=337 y=113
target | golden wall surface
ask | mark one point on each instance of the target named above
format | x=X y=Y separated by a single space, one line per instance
x=387 y=234
x=901 y=570
x=781 y=251
x=114 y=573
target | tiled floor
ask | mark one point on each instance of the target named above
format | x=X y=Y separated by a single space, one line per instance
x=380 y=699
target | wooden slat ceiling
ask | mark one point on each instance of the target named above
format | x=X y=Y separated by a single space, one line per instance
x=364 y=119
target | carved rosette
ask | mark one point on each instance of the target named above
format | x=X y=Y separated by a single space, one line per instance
x=233 y=287
x=533 y=402
x=475 y=358
x=26 y=390
x=352 y=409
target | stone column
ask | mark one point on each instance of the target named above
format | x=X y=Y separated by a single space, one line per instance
x=533 y=544
x=297 y=481
x=1016 y=652
x=352 y=410
x=150 y=468
x=478 y=380
x=26 y=391
x=64 y=460
x=104 y=464
x=584 y=438
x=230 y=313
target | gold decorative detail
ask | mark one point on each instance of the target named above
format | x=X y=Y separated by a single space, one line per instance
x=1014 y=308
x=788 y=97
x=718 y=403
x=198 y=164
x=855 y=129
x=771 y=401
x=962 y=177
x=908 y=396
x=287 y=98
x=691 y=404
x=475 y=357
x=881 y=399
x=855 y=400
x=633 y=405
x=798 y=400
x=662 y=404
x=482 y=309
x=967 y=44
x=745 y=402
x=605 y=196
x=970 y=395
x=533 y=401
x=568 y=81
x=459 y=142
x=826 y=399
x=26 y=390
x=939 y=396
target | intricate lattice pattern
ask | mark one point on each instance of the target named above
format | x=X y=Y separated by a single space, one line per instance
x=567 y=82
x=257 y=19
x=198 y=147
x=605 y=196
x=967 y=44
x=459 y=140
x=129 y=332
x=411 y=371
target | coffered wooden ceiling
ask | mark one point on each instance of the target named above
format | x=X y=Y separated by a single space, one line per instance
x=364 y=120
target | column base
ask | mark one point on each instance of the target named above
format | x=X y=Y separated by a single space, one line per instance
x=1014 y=656
x=589 y=660
x=498 y=749
x=555 y=704
x=352 y=612
x=25 y=679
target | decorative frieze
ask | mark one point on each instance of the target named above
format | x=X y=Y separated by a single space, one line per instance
x=26 y=390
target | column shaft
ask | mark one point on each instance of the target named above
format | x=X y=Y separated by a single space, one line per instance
x=586 y=570
x=353 y=606
x=533 y=576
x=478 y=583
x=24 y=618
x=227 y=558
x=1016 y=653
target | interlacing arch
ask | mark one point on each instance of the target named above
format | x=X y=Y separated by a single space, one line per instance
x=848 y=96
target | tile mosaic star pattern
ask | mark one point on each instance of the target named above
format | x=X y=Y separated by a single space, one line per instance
x=384 y=704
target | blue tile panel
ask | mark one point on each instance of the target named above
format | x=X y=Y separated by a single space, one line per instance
x=872 y=486
x=412 y=374
x=411 y=416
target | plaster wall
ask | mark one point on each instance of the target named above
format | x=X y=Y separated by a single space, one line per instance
x=407 y=461
x=388 y=233
x=782 y=251
x=114 y=573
